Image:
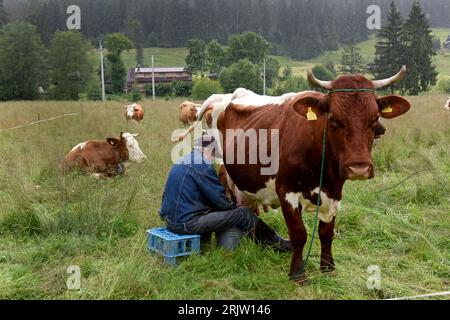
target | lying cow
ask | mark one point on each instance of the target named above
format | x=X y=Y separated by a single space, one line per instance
x=134 y=112
x=447 y=104
x=104 y=158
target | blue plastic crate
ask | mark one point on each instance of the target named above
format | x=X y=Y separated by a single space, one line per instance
x=172 y=245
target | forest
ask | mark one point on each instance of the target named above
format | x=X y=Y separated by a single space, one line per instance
x=296 y=28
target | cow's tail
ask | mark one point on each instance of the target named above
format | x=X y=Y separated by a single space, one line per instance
x=200 y=114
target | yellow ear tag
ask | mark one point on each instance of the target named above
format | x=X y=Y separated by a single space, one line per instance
x=388 y=109
x=311 y=116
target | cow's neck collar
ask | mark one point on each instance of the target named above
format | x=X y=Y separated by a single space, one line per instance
x=117 y=157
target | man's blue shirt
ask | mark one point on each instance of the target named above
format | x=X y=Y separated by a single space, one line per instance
x=192 y=188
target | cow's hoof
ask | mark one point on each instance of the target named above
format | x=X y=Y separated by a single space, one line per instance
x=326 y=266
x=299 y=278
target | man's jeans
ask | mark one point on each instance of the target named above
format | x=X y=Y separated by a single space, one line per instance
x=230 y=226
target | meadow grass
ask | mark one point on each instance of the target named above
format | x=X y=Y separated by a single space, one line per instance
x=49 y=222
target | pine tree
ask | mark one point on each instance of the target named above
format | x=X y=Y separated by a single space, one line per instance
x=419 y=52
x=351 y=60
x=389 y=54
x=116 y=73
x=3 y=14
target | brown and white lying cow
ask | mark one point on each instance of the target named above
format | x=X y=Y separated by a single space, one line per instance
x=447 y=104
x=104 y=158
x=350 y=112
x=134 y=112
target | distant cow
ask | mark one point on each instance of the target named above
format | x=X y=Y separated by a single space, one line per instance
x=134 y=112
x=104 y=158
x=447 y=104
x=188 y=112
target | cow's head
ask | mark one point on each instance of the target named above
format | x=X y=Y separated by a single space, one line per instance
x=128 y=147
x=353 y=118
x=120 y=148
x=130 y=110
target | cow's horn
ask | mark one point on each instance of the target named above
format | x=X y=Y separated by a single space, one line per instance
x=379 y=84
x=314 y=82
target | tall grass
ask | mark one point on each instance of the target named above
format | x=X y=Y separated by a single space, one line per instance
x=49 y=222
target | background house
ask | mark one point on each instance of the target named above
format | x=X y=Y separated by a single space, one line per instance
x=143 y=76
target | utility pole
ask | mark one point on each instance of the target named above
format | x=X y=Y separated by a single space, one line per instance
x=264 y=77
x=103 y=72
x=153 y=78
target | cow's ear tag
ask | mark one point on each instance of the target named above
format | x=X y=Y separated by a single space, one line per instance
x=311 y=115
x=388 y=109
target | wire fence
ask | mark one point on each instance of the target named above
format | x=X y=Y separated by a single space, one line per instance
x=40 y=121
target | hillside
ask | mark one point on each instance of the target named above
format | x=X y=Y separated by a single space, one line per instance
x=165 y=57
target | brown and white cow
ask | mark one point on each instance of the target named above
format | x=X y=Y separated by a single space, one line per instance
x=188 y=112
x=134 y=112
x=351 y=117
x=104 y=158
x=447 y=104
x=237 y=196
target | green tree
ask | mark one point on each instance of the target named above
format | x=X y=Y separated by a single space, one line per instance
x=136 y=34
x=389 y=49
x=329 y=64
x=351 y=60
x=291 y=84
x=70 y=66
x=3 y=14
x=116 y=43
x=196 y=59
x=272 y=71
x=286 y=73
x=248 y=45
x=23 y=66
x=419 y=52
x=203 y=88
x=322 y=72
x=116 y=73
x=242 y=74
x=216 y=56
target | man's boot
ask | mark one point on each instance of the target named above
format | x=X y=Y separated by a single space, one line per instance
x=266 y=235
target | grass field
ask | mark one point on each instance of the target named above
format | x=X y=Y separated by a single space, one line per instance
x=49 y=222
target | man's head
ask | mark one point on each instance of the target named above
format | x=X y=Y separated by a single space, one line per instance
x=208 y=146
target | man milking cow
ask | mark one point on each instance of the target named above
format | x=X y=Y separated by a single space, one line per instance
x=194 y=202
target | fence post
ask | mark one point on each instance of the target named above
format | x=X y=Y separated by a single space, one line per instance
x=39 y=123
